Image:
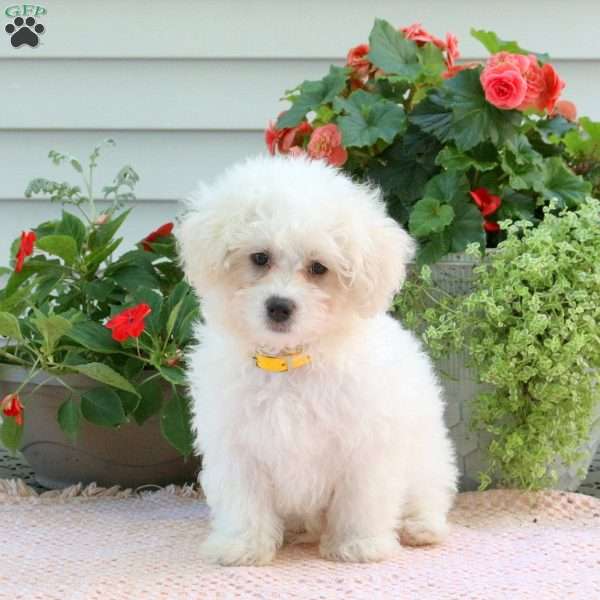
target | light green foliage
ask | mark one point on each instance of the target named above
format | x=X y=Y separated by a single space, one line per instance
x=531 y=327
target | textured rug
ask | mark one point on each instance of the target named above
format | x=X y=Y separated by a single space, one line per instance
x=105 y=544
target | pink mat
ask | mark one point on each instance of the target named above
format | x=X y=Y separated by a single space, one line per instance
x=107 y=545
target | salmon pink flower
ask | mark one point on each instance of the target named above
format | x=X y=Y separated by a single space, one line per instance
x=129 y=323
x=566 y=109
x=452 y=53
x=25 y=249
x=326 y=143
x=417 y=34
x=12 y=407
x=357 y=62
x=554 y=86
x=163 y=231
x=504 y=85
x=488 y=203
x=283 y=140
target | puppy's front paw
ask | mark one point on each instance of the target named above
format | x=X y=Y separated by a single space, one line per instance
x=229 y=550
x=360 y=549
x=423 y=532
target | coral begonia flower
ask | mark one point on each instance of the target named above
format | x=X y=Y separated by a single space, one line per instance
x=129 y=323
x=162 y=231
x=566 y=109
x=25 y=249
x=488 y=203
x=326 y=143
x=12 y=407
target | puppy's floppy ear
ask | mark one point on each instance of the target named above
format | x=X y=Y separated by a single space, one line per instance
x=202 y=239
x=380 y=269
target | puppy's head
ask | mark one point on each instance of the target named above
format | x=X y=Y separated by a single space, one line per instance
x=284 y=250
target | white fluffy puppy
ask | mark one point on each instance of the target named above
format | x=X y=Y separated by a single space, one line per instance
x=317 y=414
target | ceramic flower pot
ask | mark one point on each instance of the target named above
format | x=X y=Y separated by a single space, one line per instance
x=455 y=275
x=129 y=456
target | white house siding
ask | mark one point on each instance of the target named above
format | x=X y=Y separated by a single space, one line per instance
x=186 y=87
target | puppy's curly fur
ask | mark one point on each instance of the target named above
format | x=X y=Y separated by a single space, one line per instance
x=349 y=451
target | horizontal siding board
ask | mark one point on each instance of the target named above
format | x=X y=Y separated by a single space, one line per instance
x=17 y=215
x=170 y=163
x=183 y=95
x=307 y=29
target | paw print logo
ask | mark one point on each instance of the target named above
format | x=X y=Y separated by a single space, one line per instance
x=24 y=31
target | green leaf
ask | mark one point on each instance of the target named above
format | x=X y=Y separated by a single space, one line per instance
x=175 y=422
x=523 y=164
x=391 y=51
x=105 y=374
x=434 y=249
x=129 y=402
x=404 y=169
x=369 y=118
x=429 y=216
x=62 y=246
x=9 y=326
x=72 y=226
x=150 y=402
x=102 y=406
x=448 y=187
x=52 y=329
x=433 y=116
x=94 y=337
x=584 y=144
x=474 y=119
x=104 y=233
x=451 y=158
x=494 y=44
x=173 y=375
x=133 y=277
x=11 y=434
x=311 y=94
x=99 y=289
x=562 y=184
x=94 y=259
x=69 y=418
x=467 y=226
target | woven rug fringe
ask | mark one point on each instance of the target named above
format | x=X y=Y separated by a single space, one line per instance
x=14 y=489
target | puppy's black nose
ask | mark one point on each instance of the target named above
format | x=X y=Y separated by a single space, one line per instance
x=280 y=309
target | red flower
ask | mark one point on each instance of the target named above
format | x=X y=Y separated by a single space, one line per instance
x=129 y=323
x=162 y=231
x=491 y=226
x=488 y=203
x=452 y=53
x=12 y=407
x=25 y=248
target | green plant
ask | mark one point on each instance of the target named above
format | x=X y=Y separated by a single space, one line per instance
x=66 y=289
x=456 y=148
x=531 y=327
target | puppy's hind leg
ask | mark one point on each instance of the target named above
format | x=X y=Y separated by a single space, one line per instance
x=429 y=497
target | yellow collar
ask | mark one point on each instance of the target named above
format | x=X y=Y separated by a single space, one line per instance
x=281 y=363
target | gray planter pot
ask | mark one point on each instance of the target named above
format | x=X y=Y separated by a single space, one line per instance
x=129 y=456
x=455 y=275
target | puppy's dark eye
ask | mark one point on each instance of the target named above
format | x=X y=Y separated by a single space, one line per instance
x=317 y=268
x=260 y=259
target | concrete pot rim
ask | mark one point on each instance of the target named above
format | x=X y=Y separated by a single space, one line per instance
x=16 y=374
